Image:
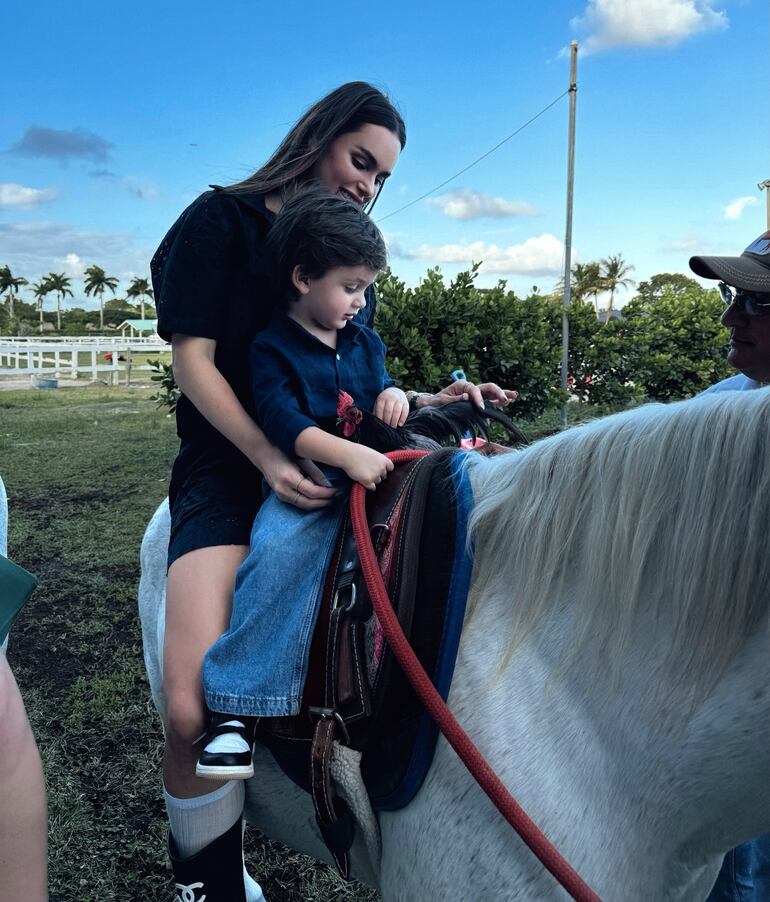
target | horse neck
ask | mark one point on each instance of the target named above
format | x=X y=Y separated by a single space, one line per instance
x=637 y=785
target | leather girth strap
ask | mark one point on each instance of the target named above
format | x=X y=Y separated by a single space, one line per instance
x=331 y=812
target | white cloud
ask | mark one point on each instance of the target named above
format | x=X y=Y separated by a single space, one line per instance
x=540 y=256
x=466 y=204
x=72 y=265
x=734 y=210
x=645 y=23
x=687 y=244
x=13 y=195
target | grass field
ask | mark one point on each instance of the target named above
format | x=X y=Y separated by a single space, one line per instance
x=84 y=469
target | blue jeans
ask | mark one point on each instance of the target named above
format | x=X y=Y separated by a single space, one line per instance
x=745 y=874
x=259 y=666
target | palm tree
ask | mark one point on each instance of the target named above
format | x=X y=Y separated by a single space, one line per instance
x=10 y=284
x=96 y=281
x=59 y=283
x=41 y=289
x=586 y=282
x=139 y=288
x=614 y=275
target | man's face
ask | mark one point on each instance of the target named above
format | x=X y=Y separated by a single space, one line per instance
x=749 y=341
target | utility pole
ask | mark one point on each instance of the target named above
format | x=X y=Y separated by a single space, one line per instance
x=568 y=234
x=765 y=186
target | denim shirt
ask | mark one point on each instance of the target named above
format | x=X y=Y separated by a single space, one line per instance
x=296 y=379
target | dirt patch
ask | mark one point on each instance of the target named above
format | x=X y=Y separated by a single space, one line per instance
x=32 y=500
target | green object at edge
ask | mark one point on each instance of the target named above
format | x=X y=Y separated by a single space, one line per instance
x=16 y=585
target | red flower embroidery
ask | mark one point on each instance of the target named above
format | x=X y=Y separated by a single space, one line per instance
x=348 y=415
x=343 y=402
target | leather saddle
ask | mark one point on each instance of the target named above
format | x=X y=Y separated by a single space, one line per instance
x=355 y=692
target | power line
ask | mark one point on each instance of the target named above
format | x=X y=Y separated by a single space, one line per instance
x=482 y=157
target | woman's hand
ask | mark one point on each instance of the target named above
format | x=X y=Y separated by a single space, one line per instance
x=462 y=390
x=307 y=490
x=367 y=466
x=392 y=407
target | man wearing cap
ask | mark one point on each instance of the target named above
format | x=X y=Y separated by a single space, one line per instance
x=745 y=288
x=744 y=283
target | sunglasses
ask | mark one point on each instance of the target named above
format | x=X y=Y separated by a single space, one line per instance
x=745 y=301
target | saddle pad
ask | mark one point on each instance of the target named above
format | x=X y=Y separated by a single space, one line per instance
x=403 y=738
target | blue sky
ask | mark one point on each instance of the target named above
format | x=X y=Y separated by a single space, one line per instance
x=116 y=116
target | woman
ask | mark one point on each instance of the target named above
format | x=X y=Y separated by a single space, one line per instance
x=23 y=820
x=23 y=817
x=212 y=287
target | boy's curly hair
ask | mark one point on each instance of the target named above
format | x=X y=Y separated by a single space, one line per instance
x=317 y=230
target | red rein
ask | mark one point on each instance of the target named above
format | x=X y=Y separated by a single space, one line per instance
x=453 y=732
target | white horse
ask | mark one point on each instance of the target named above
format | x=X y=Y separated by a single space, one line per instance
x=613 y=667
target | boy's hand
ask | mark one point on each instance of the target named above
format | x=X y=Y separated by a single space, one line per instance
x=391 y=407
x=367 y=466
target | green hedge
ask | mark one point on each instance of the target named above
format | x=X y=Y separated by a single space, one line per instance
x=669 y=343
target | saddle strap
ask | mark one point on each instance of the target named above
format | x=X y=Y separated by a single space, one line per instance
x=345 y=685
x=331 y=812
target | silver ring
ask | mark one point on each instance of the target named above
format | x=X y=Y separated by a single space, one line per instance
x=297 y=497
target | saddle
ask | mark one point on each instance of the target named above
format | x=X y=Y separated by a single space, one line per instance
x=355 y=692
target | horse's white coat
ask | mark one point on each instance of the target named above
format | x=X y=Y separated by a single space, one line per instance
x=641 y=783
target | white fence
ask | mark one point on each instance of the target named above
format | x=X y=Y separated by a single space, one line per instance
x=154 y=342
x=57 y=357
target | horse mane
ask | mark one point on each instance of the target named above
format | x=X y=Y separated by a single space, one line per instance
x=429 y=428
x=664 y=505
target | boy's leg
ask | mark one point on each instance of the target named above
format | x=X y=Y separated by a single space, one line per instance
x=745 y=873
x=257 y=669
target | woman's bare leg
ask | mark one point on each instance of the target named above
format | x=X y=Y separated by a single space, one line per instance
x=198 y=604
x=23 y=820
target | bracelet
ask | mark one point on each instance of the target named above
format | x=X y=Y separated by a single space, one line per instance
x=412 y=396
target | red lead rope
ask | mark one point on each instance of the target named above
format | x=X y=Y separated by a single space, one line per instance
x=471 y=757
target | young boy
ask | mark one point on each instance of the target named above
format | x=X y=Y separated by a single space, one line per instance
x=327 y=252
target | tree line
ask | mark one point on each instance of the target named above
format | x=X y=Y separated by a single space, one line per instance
x=59 y=284
x=665 y=343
